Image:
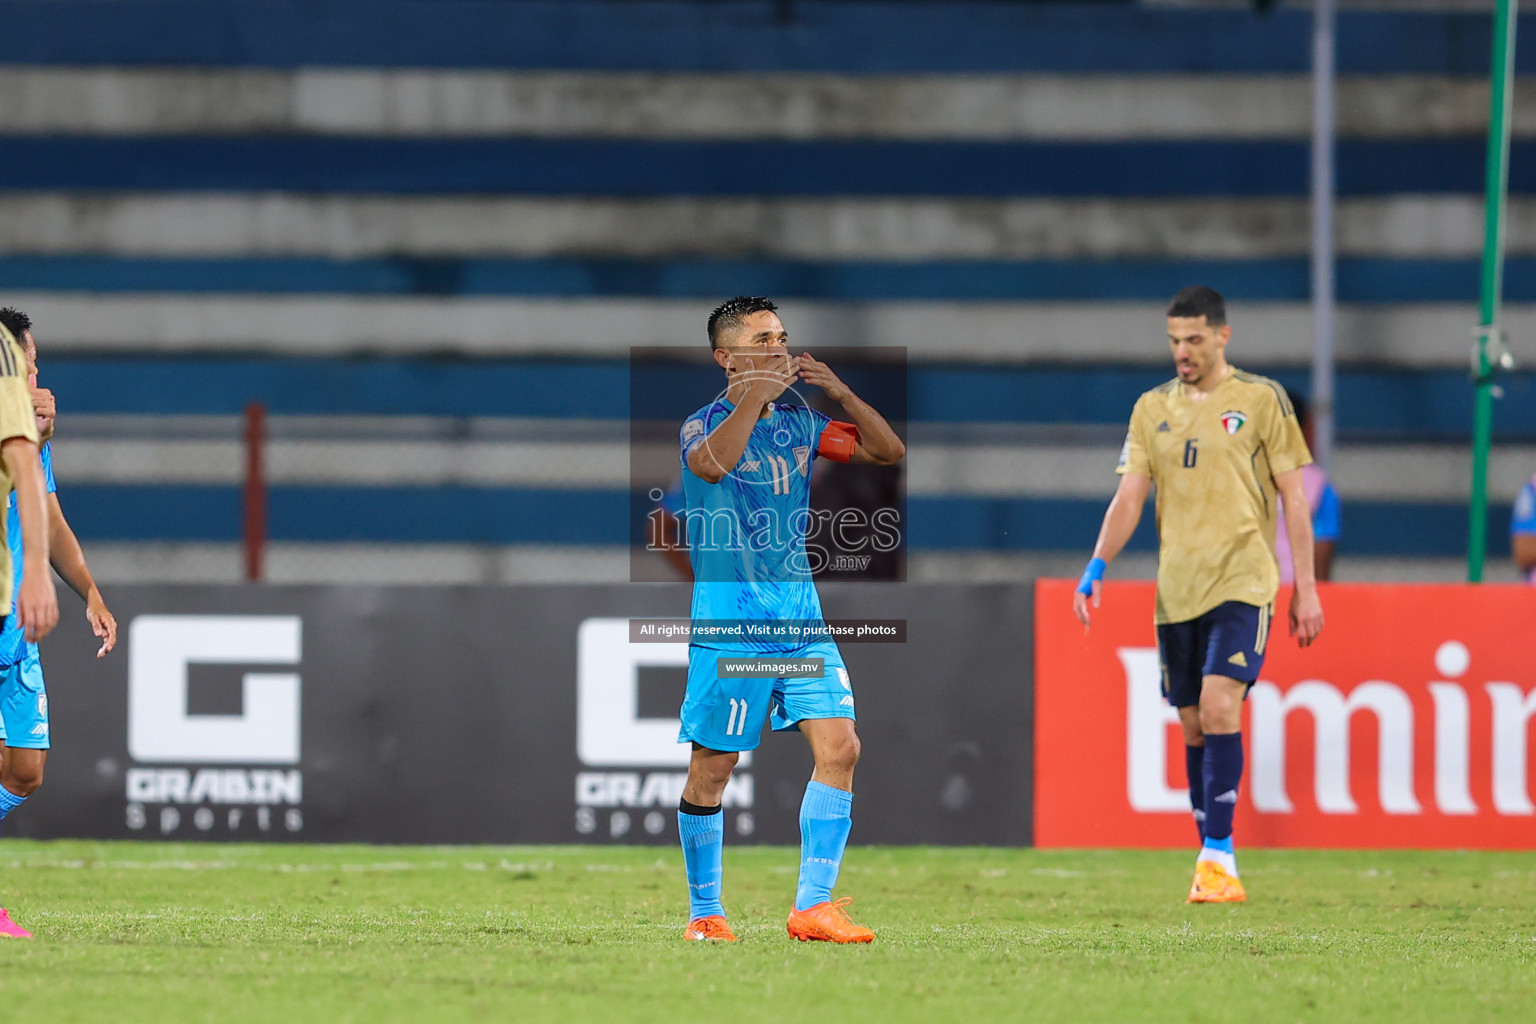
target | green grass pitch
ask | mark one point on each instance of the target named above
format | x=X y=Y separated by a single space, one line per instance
x=131 y=932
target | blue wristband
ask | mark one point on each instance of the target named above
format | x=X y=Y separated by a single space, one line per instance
x=1091 y=575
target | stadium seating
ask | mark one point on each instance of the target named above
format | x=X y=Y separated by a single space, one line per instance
x=427 y=244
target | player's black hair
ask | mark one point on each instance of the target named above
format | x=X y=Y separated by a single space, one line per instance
x=15 y=321
x=1196 y=301
x=730 y=313
x=1299 y=405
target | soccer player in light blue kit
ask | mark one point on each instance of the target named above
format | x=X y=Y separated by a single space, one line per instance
x=24 y=739
x=746 y=473
x=1522 y=532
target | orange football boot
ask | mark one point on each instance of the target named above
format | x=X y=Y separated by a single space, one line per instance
x=709 y=929
x=1214 y=885
x=827 y=922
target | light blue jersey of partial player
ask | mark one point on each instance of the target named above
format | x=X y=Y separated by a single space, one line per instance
x=23 y=696
x=747 y=533
x=1523 y=521
x=13 y=641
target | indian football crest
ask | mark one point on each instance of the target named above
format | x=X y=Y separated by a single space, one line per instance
x=1233 y=420
x=803 y=459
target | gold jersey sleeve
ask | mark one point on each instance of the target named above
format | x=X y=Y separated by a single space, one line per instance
x=1283 y=441
x=1134 y=457
x=1213 y=460
x=16 y=420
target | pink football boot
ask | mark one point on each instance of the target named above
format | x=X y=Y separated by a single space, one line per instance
x=11 y=928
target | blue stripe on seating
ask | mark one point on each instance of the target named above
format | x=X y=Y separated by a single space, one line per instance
x=805 y=35
x=464 y=515
x=1014 y=524
x=333 y=514
x=103 y=512
x=1373 y=404
x=341 y=387
x=1422 y=529
x=1279 y=280
x=455 y=514
x=671 y=168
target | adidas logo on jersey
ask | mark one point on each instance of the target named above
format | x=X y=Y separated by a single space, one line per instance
x=751 y=465
x=846 y=702
x=1238 y=660
x=1163 y=428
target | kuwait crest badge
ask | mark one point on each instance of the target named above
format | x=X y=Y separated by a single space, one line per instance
x=1233 y=420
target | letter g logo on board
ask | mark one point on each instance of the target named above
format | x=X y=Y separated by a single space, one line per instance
x=160 y=649
x=609 y=729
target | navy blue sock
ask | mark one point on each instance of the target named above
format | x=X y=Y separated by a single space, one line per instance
x=1223 y=772
x=1194 y=767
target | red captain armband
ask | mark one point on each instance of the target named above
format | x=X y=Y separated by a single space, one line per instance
x=837 y=441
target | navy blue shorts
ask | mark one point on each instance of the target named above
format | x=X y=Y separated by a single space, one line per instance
x=1228 y=640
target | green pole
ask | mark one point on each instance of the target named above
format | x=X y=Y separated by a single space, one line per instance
x=1490 y=354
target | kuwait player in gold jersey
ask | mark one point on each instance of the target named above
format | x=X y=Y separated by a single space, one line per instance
x=21 y=470
x=1224 y=448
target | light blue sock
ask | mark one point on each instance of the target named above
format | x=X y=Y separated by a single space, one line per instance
x=9 y=801
x=703 y=837
x=826 y=815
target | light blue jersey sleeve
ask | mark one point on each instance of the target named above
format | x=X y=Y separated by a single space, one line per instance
x=47 y=456
x=13 y=541
x=12 y=641
x=13 y=518
x=1328 y=522
x=1525 y=511
x=697 y=427
x=815 y=425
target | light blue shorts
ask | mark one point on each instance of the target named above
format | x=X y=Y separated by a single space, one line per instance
x=24 y=703
x=728 y=714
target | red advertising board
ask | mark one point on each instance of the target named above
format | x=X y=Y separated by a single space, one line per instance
x=1407 y=725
